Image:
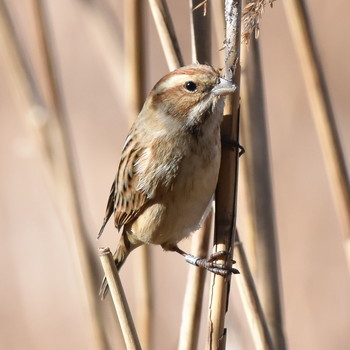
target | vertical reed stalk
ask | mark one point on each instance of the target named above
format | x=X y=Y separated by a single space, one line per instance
x=322 y=112
x=119 y=299
x=226 y=192
x=135 y=79
x=256 y=172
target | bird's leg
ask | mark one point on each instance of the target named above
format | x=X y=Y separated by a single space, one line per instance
x=232 y=145
x=209 y=264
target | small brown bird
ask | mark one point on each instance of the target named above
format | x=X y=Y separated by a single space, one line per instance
x=169 y=165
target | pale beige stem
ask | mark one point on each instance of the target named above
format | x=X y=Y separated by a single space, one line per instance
x=226 y=192
x=134 y=79
x=260 y=230
x=120 y=303
x=322 y=112
x=166 y=33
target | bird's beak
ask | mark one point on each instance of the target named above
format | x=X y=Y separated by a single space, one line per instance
x=224 y=87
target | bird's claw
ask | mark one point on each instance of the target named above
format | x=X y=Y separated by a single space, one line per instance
x=211 y=265
x=233 y=145
x=220 y=255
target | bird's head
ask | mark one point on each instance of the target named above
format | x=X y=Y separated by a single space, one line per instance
x=189 y=95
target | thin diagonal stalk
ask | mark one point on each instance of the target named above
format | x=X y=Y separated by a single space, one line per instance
x=256 y=172
x=322 y=112
x=119 y=300
x=251 y=303
x=135 y=78
x=192 y=307
x=166 y=33
x=226 y=192
x=59 y=152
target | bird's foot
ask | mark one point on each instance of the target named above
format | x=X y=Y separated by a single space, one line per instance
x=211 y=264
x=232 y=145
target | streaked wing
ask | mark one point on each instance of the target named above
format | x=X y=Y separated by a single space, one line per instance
x=125 y=198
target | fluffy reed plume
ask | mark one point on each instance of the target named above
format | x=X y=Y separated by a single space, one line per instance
x=251 y=16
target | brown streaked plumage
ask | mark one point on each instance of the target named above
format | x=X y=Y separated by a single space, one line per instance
x=169 y=165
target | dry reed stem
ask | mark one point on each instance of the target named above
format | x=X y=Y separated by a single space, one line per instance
x=256 y=173
x=166 y=33
x=119 y=300
x=192 y=307
x=251 y=303
x=322 y=113
x=135 y=95
x=53 y=142
x=226 y=192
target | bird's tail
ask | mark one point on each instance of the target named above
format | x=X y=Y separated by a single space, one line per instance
x=120 y=255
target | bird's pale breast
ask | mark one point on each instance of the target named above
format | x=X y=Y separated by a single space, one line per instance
x=179 y=211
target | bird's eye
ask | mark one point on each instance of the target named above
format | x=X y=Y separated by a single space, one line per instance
x=190 y=86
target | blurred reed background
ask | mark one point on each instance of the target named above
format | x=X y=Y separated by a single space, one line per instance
x=43 y=301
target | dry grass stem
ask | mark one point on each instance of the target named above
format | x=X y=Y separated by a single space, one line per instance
x=135 y=95
x=251 y=16
x=251 y=303
x=258 y=189
x=226 y=192
x=52 y=137
x=166 y=33
x=322 y=113
x=119 y=300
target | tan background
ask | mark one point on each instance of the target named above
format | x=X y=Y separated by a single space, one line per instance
x=39 y=292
